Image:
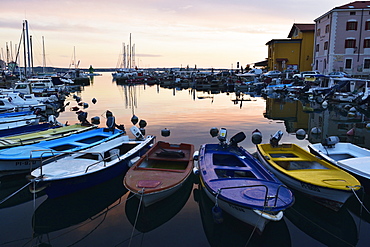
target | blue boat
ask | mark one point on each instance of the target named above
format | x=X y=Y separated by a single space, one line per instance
x=238 y=183
x=24 y=158
x=25 y=129
x=83 y=169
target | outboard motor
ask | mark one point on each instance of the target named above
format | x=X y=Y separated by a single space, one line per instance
x=239 y=137
x=330 y=141
x=222 y=136
x=111 y=120
x=142 y=124
x=137 y=133
x=274 y=140
x=82 y=117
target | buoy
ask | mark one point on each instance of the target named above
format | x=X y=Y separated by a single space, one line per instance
x=217 y=214
x=214 y=131
x=134 y=119
x=142 y=123
x=256 y=136
x=94 y=101
x=315 y=131
x=95 y=120
x=75 y=108
x=165 y=132
x=300 y=134
x=324 y=104
x=367 y=126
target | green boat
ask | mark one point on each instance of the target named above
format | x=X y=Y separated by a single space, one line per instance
x=36 y=137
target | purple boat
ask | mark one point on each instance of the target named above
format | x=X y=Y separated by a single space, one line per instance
x=238 y=183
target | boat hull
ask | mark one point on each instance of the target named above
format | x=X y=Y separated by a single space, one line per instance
x=160 y=172
x=60 y=186
x=25 y=158
x=236 y=182
x=331 y=196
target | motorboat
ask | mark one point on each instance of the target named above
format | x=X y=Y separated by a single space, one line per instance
x=239 y=184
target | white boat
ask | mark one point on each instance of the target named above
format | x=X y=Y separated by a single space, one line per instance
x=348 y=89
x=347 y=156
x=18 y=120
x=90 y=167
x=23 y=158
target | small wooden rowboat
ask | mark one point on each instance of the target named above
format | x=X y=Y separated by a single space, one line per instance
x=160 y=172
x=302 y=171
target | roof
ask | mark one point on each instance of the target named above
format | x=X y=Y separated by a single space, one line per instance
x=349 y=6
x=283 y=41
x=355 y=5
x=301 y=27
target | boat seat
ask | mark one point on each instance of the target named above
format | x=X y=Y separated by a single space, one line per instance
x=233 y=168
x=171 y=154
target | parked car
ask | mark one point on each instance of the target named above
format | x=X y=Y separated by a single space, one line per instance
x=338 y=74
x=302 y=74
x=272 y=73
x=255 y=71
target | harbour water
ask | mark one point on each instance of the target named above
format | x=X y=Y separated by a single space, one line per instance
x=106 y=215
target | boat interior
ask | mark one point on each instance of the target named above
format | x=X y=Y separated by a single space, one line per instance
x=167 y=159
x=230 y=166
x=291 y=161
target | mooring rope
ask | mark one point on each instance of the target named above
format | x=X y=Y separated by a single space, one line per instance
x=137 y=216
x=5 y=199
x=362 y=204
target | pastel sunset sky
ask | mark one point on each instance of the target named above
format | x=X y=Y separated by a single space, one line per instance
x=205 y=33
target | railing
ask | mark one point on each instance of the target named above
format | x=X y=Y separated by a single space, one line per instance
x=258 y=185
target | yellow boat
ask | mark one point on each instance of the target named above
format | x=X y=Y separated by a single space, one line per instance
x=50 y=134
x=302 y=171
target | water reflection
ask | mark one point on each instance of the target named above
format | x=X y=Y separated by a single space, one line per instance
x=14 y=190
x=232 y=232
x=90 y=205
x=323 y=224
x=190 y=118
x=146 y=219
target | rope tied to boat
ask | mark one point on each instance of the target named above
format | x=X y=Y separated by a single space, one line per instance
x=5 y=199
x=361 y=203
x=141 y=192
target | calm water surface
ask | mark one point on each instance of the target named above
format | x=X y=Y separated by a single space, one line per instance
x=106 y=215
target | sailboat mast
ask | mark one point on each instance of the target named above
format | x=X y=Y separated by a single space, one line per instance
x=130 y=54
x=24 y=49
x=43 y=55
x=28 y=45
x=31 y=55
x=124 y=56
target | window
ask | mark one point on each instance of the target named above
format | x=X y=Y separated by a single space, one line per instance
x=367 y=25
x=317 y=48
x=366 y=63
x=326 y=45
x=352 y=13
x=350 y=43
x=318 y=32
x=348 y=64
x=367 y=43
x=326 y=28
x=351 y=25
